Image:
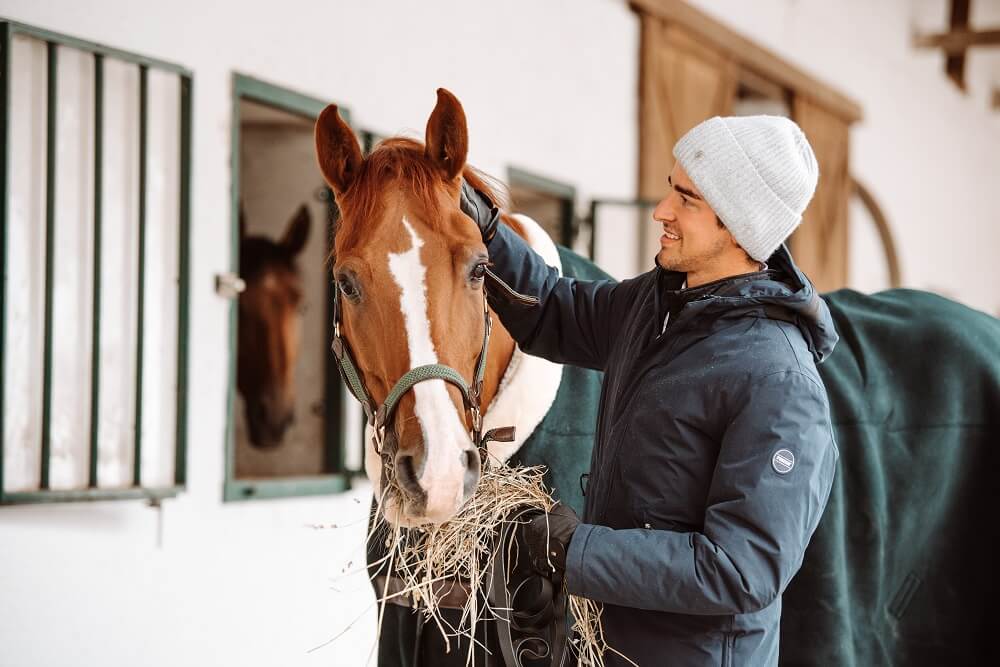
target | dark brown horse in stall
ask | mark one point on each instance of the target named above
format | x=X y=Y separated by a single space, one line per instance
x=269 y=324
x=914 y=386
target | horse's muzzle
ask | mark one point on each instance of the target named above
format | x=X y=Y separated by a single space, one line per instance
x=436 y=495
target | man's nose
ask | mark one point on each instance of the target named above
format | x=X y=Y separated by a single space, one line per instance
x=664 y=212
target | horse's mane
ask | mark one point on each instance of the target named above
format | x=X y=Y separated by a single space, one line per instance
x=401 y=160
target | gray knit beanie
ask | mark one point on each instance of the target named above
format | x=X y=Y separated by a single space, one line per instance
x=758 y=174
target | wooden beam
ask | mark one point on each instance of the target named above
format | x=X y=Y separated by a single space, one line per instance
x=884 y=232
x=751 y=55
x=954 y=63
x=958 y=41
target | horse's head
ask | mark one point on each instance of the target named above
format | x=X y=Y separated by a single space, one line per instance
x=269 y=319
x=409 y=267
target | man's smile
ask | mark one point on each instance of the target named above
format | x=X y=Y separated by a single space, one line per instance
x=669 y=236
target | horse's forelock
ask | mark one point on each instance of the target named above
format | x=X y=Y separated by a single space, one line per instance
x=400 y=159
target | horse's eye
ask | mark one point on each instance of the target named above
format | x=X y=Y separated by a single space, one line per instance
x=478 y=271
x=347 y=288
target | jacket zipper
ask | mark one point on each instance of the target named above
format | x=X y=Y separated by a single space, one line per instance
x=640 y=366
x=509 y=292
x=608 y=476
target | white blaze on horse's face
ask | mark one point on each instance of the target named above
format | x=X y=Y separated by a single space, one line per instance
x=445 y=436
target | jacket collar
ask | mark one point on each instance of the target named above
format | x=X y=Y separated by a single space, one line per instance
x=781 y=292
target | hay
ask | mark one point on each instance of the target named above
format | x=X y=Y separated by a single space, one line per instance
x=464 y=547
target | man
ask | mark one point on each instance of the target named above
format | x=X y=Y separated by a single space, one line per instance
x=715 y=455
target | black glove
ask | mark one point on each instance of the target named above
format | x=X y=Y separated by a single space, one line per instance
x=483 y=212
x=548 y=538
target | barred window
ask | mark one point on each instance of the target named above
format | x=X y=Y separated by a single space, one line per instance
x=94 y=307
x=288 y=417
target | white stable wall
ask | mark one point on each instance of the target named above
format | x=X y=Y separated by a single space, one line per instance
x=550 y=86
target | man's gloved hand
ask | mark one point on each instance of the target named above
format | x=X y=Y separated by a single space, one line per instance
x=548 y=537
x=483 y=212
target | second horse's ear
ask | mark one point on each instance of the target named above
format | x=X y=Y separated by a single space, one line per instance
x=337 y=150
x=447 y=136
x=297 y=232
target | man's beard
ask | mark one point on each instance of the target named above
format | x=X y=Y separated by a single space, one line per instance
x=671 y=260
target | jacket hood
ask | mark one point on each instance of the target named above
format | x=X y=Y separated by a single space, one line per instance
x=781 y=292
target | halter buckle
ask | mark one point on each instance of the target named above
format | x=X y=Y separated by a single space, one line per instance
x=477 y=420
x=378 y=439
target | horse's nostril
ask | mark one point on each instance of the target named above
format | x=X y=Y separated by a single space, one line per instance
x=473 y=469
x=407 y=476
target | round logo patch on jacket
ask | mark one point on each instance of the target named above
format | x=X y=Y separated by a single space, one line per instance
x=782 y=461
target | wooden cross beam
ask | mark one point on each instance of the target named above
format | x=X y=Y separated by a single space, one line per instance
x=954 y=63
x=958 y=41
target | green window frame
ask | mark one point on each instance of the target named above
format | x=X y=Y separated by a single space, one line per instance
x=339 y=479
x=593 y=219
x=368 y=140
x=54 y=40
x=569 y=226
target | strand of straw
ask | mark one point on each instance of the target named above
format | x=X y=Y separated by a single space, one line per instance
x=463 y=549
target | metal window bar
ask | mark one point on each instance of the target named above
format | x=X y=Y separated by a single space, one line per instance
x=592 y=216
x=284 y=99
x=141 y=291
x=563 y=192
x=5 y=68
x=50 y=229
x=53 y=41
x=95 y=354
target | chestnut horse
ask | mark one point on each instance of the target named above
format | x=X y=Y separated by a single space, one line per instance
x=269 y=323
x=410 y=268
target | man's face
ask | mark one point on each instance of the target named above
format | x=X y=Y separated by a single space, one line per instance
x=692 y=239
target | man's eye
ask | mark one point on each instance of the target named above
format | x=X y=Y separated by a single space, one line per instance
x=478 y=271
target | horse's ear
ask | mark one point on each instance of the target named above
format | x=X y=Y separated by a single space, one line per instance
x=337 y=150
x=447 y=137
x=297 y=232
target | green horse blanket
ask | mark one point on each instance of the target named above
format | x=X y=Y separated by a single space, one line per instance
x=899 y=571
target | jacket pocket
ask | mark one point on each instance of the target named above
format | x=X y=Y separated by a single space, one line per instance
x=656 y=515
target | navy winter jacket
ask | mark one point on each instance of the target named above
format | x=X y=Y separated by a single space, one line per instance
x=714 y=456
